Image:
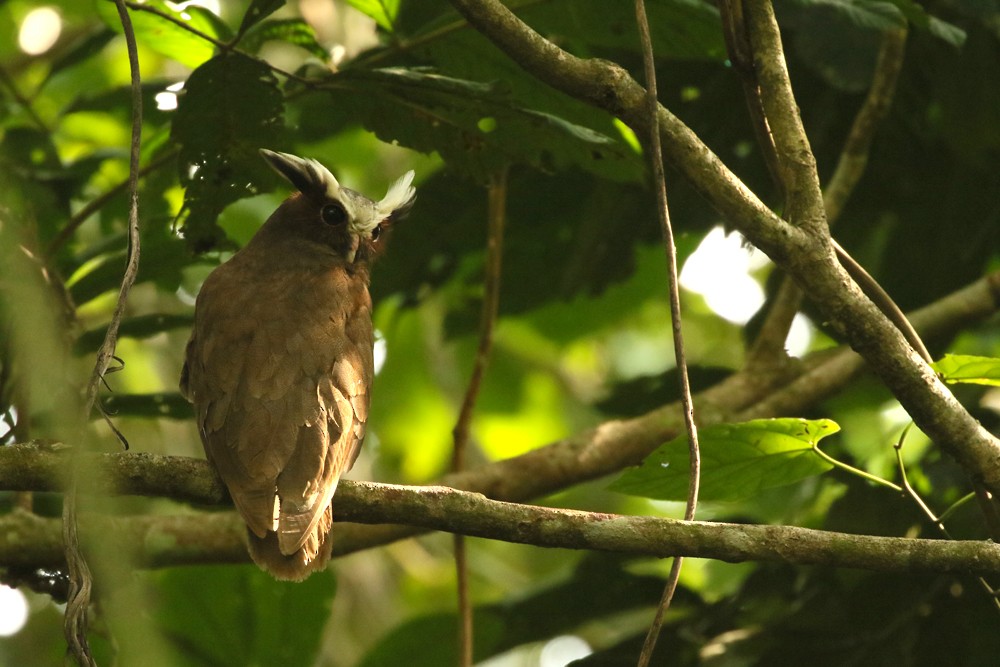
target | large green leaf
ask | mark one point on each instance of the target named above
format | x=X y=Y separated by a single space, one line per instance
x=737 y=460
x=231 y=107
x=238 y=615
x=477 y=128
x=679 y=29
x=968 y=369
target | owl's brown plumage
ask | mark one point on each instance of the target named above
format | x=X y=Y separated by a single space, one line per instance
x=279 y=365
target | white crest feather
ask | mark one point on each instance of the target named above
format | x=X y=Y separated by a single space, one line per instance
x=306 y=174
x=399 y=195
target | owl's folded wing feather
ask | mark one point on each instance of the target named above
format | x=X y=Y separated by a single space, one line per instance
x=282 y=410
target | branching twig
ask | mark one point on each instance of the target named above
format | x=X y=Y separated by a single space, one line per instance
x=491 y=302
x=850 y=168
x=655 y=156
x=80 y=580
x=937 y=521
x=8 y=82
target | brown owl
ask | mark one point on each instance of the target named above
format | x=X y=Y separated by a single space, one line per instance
x=279 y=365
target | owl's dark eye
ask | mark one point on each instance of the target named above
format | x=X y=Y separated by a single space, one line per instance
x=334 y=214
x=377 y=232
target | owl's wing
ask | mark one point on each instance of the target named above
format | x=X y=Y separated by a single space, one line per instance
x=307 y=483
x=280 y=385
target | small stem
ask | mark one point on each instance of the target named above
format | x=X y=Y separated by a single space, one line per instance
x=491 y=302
x=655 y=156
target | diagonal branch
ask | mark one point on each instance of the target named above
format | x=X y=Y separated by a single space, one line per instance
x=770 y=342
x=809 y=257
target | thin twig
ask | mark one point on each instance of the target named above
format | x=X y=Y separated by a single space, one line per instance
x=934 y=519
x=659 y=183
x=80 y=583
x=8 y=82
x=491 y=303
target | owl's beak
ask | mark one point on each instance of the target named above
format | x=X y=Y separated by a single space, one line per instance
x=352 y=252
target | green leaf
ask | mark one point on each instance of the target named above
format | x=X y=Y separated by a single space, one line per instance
x=383 y=11
x=168 y=38
x=737 y=460
x=257 y=12
x=969 y=369
x=476 y=127
x=231 y=107
x=918 y=16
x=687 y=29
x=238 y=615
x=291 y=31
x=948 y=32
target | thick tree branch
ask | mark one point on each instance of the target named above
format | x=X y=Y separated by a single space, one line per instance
x=809 y=257
x=27 y=540
x=796 y=163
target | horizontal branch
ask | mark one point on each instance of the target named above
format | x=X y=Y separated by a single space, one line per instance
x=156 y=541
x=588 y=455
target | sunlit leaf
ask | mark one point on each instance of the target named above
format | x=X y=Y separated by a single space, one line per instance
x=968 y=369
x=737 y=460
x=186 y=43
x=383 y=11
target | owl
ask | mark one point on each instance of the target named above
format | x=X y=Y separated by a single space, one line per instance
x=279 y=365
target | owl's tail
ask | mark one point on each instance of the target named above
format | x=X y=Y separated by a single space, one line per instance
x=296 y=567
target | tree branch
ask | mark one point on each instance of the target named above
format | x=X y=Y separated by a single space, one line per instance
x=585 y=456
x=155 y=541
x=809 y=257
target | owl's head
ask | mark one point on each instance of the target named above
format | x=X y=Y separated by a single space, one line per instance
x=326 y=213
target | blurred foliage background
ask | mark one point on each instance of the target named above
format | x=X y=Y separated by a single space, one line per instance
x=372 y=89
